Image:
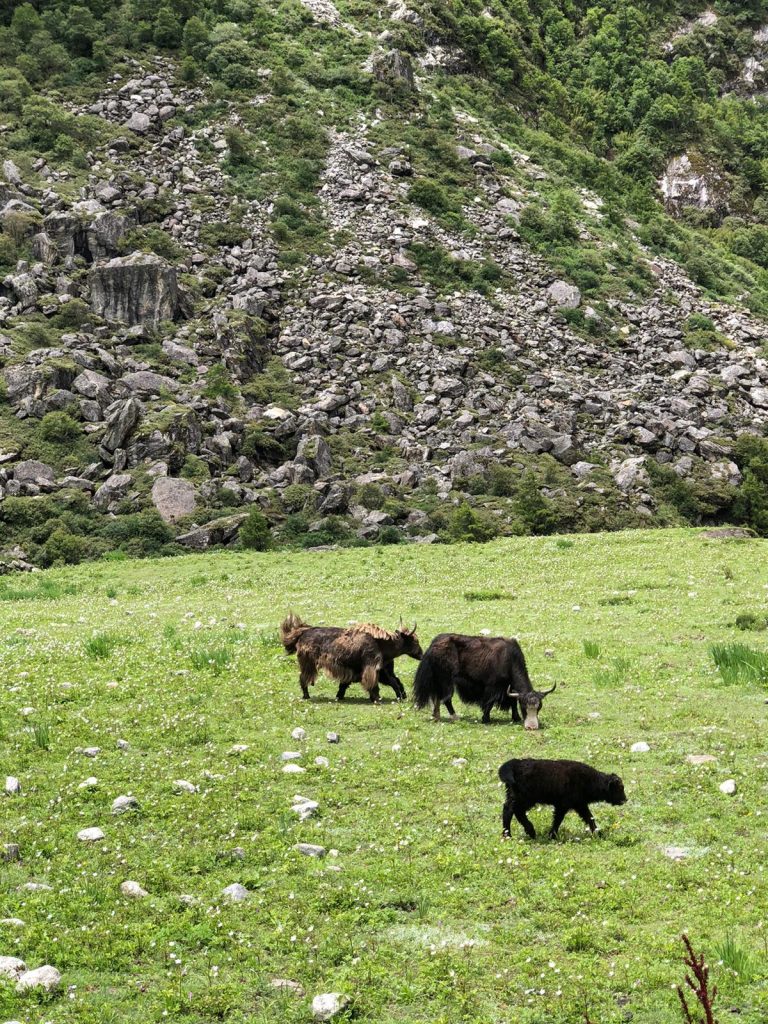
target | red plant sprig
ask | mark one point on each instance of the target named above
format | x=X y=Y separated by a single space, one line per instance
x=699 y=985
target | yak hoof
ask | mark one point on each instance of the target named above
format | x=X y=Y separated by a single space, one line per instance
x=453 y=718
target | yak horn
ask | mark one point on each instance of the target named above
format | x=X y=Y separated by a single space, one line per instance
x=546 y=693
x=414 y=628
x=512 y=693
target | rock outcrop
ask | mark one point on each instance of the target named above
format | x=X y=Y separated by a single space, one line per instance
x=138 y=289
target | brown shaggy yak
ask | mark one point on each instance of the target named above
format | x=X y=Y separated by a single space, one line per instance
x=363 y=653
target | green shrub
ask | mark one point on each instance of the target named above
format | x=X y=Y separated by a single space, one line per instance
x=466 y=524
x=430 y=196
x=218 y=383
x=389 y=535
x=255 y=533
x=752 y=621
x=503 y=481
x=738 y=663
x=297 y=497
x=58 y=428
x=260 y=446
x=537 y=513
x=64 y=548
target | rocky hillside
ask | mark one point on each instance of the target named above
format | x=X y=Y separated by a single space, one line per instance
x=329 y=273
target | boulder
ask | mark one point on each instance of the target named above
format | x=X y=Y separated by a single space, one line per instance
x=173 y=498
x=138 y=289
x=314 y=453
x=121 y=422
x=395 y=66
x=46 y=978
x=564 y=295
x=220 y=531
x=32 y=472
x=113 y=488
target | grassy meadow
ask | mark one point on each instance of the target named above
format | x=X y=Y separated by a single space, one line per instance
x=419 y=912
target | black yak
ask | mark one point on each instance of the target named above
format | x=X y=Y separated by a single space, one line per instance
x=363 y=653
x=489 y=671
x=564 y=785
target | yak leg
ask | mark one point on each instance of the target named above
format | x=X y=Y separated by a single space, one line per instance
x=506 y=816
x=342 y=691
x=586 y=816
x=557 y=820
x=522 y=817
x=513 y=707
x=487 y=708
x=370 y=681
x=436 y=709
x=451 y=709
x=307 y=675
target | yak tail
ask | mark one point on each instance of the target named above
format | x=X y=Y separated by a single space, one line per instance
x=425 y=683
x=291 y=630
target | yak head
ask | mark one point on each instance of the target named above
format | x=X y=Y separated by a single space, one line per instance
x=409 y=641
x=530 y=704
x=616 y=794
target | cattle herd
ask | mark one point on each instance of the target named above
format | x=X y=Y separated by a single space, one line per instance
x=487 y=671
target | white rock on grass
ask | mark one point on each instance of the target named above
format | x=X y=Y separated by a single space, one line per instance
x=123 y=745
x=728 y=787
x=459 y=762
x=293 y=769
x=90 y=835
x=328 y=1004
x=92 y=751
x=700 y=759
x=640 y=748
x=188 y=900
x=304 y=807
x=290 y=755
x=333 y=737
x=90 y=783
x=182 y=786
x=238 y=748
x=11 y=967
x=46 y=978
x=12 y=922
x=677 y=852
x=322 y=762
x=37 y=887
x=298 y=733
x=236 y=893
x=286 y=985
x=121 y=804
x=133 y=890
x=310 y=849
x=12 y=785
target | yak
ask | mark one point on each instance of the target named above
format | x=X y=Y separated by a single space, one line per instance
x=489 y=671
x=564 y=785
x=363 y=653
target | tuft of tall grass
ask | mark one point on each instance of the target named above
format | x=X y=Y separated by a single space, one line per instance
x=592 y=649
x=100 y=645
x=738 y=663
x=41 y=731
x=735 y=957
x=213 y=659
x=488 y=595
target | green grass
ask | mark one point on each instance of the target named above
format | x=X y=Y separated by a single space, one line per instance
x=738 y=663
x=431 y=917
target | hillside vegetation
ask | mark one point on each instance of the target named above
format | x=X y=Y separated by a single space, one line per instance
x=130 y=680
x=366 y=272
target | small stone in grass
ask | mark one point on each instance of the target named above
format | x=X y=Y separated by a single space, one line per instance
x=121 y=804
x=188 y=900
x=11 y=967
x=238 y=748
x=182 y=786
x=728 y=787
x=459 y=762
x=286 y=985
x=90 y=835
x=298 y=733
x=12 y=785
x=236 y=893
x=133 y=890
x=640 y=748
x=12 y=922
x=293 y=769
x=322 y=762
x=310 y=850
x=332 y=737
x=677 y=852
x=11 y=852
x=290 y=755
x=91 y=751
x=27 y=712
x=328 y=1004
x=90 y=783
x=46 y=978
x=37 y=887
x=700 y=758
x=123 y=745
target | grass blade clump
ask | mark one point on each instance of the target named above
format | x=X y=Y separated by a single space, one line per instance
x=591 y=649
x=213 y=659
x=41 y=731
x=100 y=645
x=488 y=595
x=735 y=958
x=738 y=663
